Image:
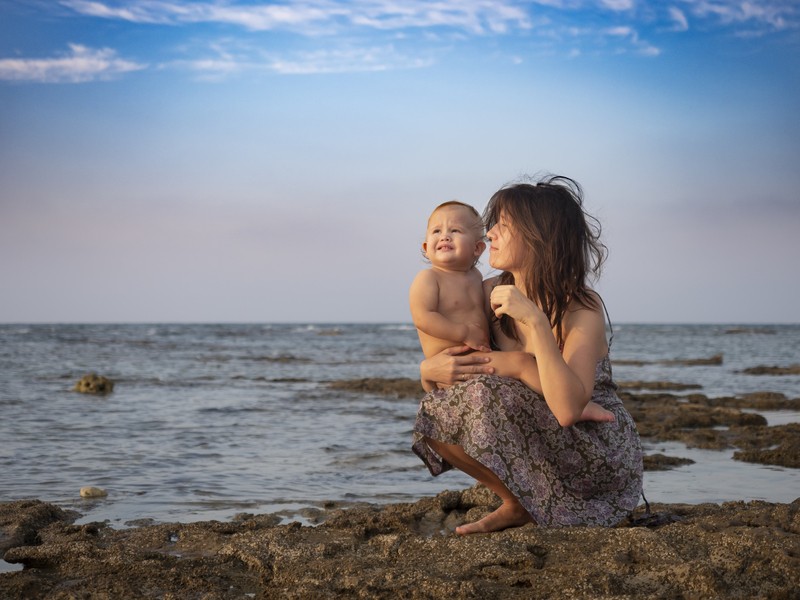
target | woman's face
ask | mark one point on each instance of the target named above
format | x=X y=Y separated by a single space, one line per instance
x=504 y=251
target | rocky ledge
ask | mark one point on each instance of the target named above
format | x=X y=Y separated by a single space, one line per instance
x=733 y=550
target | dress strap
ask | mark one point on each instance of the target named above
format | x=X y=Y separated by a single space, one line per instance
x=608 y=318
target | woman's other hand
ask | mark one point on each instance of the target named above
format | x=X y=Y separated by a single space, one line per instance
x=452 y=365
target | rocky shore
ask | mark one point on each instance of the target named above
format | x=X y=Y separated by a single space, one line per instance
x=732 y=550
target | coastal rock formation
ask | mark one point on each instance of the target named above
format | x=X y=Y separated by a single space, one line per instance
x=657 y=385
x=772 y=370
x=401 y=387
x=660 y=462
x=94 y=384
x=719 y=423
x=778 y=445
x=408 y=551
x=21 y=520
x=714 y=360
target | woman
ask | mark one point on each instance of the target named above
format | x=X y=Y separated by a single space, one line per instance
x=514 y=419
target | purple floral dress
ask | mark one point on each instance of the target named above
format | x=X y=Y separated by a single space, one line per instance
x=586 y=474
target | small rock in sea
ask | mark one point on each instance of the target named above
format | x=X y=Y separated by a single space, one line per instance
x=93 y=492
x=94 y=384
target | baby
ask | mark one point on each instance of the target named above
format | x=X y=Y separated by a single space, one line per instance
x=447 y=302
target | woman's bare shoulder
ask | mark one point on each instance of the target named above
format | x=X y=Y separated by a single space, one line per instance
x=587 y=323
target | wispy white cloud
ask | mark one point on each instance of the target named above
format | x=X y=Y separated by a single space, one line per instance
x=636 y=45
x=375 y=35
x=346 y=60
x=315 y=16
x=80 y=64
x=618 y=5
x=679 y=19
x=776 y=15
x=230 y=58
x=312 y=17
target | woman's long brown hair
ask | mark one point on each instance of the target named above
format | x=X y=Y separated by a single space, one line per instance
x=564 y=242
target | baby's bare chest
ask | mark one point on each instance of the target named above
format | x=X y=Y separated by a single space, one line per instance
x=460 y=296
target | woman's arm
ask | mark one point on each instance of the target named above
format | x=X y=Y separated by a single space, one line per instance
x=451 y=365
x=566 y=378
x=518 y=365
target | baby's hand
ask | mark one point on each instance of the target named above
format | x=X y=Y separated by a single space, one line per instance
x=476 y=338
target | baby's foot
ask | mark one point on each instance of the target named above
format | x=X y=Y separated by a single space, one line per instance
x=595 y=412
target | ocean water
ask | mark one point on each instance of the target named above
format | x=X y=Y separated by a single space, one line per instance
x=207 y=421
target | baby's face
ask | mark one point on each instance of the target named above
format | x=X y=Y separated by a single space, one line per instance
x=454 y=239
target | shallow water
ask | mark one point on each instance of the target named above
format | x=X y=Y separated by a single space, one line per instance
x=210 y=420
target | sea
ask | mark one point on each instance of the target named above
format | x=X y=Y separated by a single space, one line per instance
x=210 y=420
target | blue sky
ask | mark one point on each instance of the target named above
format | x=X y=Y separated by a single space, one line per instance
x=258 y=161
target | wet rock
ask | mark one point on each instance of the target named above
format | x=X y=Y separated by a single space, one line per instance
x=772 y=370
x=717 y=424
x=688 y=419
x=21 y=521
x=714 y=360
x=94 y=384
x=330 y=332
x=660 y=462
x=398 y=387
x=757 y=401
x=658 y=385
x=689 y=362
x=759 y=330
x=706 y=551
x=779 y=445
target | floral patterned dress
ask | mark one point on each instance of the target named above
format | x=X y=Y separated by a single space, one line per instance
x=586 y=474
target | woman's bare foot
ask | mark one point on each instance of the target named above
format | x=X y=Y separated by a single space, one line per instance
x=508 y=515
x=595 y=412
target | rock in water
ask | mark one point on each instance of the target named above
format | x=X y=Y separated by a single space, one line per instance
x=93 y=492
x=94 y=384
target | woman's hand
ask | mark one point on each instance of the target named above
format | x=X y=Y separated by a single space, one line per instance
x=509 y=300
x=451 y=365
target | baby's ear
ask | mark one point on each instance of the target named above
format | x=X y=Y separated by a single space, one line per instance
x=480 y=246
x=425 y=248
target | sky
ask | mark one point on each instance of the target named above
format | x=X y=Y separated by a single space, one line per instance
x=252 y=161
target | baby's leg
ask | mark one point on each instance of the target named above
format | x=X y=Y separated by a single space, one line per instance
x=595 y=412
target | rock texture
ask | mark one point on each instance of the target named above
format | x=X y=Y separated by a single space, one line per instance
x=773 y=370
x=734 y=550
